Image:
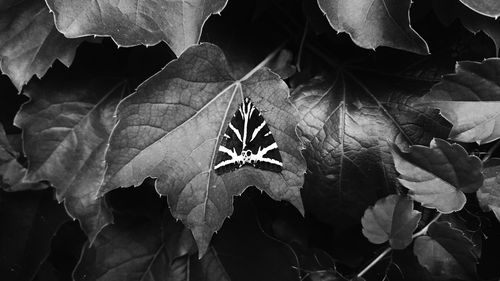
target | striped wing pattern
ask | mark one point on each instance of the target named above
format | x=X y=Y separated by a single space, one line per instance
x=248 y=141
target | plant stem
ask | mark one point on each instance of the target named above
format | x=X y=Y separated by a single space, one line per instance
x=374 y=262
x=424 y=230
x=491 y=150
x=264 y=62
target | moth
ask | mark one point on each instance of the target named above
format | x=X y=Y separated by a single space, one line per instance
x=248 y=141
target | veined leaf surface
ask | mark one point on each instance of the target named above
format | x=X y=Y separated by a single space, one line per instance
x=171 y=128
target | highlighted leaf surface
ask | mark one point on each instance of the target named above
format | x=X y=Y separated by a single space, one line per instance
x=134 y=22
x=171 y=128
x=470 y=100
x=438 y=176
x=375 y=23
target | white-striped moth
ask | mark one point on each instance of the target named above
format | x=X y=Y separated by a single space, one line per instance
x=248 y=141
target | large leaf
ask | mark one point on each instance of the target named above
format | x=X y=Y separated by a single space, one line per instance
x=29 y=41
x=134 y=22
x=438 y=176
x=171 y=128
x=65 y=133
x=489 y=193
x=29 y=220
x=375 y=23
x=446 y=253
x=348 y=119
x=391 y=219
x=489 y=8
x=470 y=100
x=146 y=251
x=449 y=10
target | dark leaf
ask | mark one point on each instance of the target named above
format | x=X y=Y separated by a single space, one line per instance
x=348 y=120
x=375 y=23
x=134 y=22
x=446 y=253
x=470 y=100
x=437 y=176
x=65 y=131
x=391 y=219
x=449 y=10
x=29 y=41
x=29 y=220
x=171 y=129
x=489 y=194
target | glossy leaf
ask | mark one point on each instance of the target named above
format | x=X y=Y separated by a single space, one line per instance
x=375 y=23
x=29 y=41
x=489 y=8
x=29 y=221
x=470 y=100
x=446 y=253
x=171 y=127
x=65 y=132
x=489 y=193
x=134 y=22
x=347 y=121
x=437 y=176
x=391 y=219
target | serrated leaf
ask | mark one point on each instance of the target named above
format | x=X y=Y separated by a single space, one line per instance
x=29 y=220
x=489 y=8
x=446 y=253
x=391 y=219
x=171 y=128
x=489 y=193
x=29 y=41
x=470 y=100
x=65 y=133
x=375 y=23
x=134 y=22
x=437 y=176
x=347 y=120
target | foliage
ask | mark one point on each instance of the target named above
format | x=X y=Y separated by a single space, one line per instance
x=385 y=115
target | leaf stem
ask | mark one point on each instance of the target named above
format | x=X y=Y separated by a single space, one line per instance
x=490 y=151
x=374 y=262
x=301 y=47
x=424 y=230
x=264 y=62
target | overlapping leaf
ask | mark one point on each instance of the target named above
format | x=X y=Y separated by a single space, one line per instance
x=147 y=251
x=391 y=219
x=489 y=193
x=65 y=134
x=446 y=253
x=134 y=22
x=170 y=129
x=29 y=41
x=375 y=23
x=470 y=100
x=437 y=176
x=347 y=120
x=489 y=8
x=449 y=10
